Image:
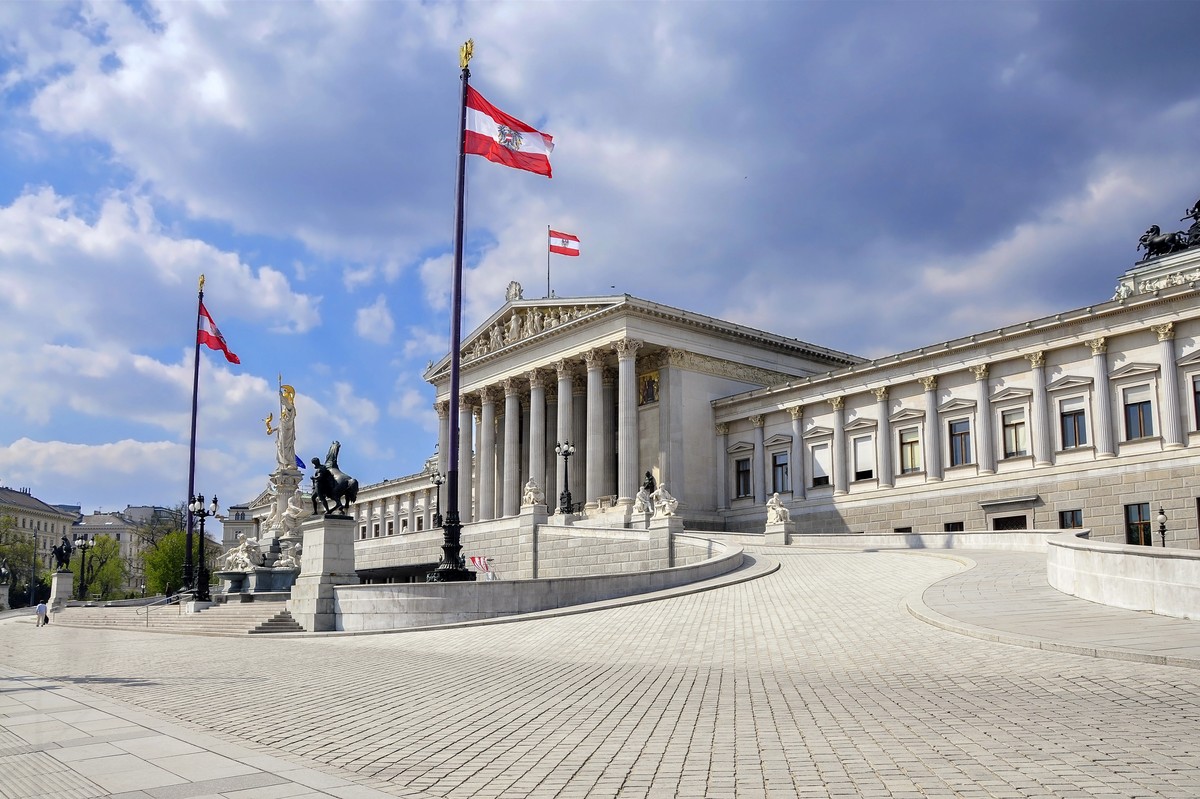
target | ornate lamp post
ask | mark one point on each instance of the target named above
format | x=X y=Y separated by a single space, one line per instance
x=83 y=544
x=197 y=509
x=566 y=449
x=437 y=478
x=1162 y=525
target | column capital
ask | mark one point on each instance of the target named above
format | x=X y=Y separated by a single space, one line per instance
x=722 y=428
x=1036 y=359
x=564 y=367
x=487 y=395
x=796 y=412
x=1099 y=346
x=466 y=403
x=578 y=384
x=929 y=383
x=1165 y=332
x=594 y=359
x=881 y=394
x=627 y=347
x=536 y=377
x=980 y=370
x=756 y=420
x=610 y=376
x=442 y=408
x=837 y=402
x=512 y=386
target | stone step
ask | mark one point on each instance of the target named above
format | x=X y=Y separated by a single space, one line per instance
x=237 y=619
x=281 y=622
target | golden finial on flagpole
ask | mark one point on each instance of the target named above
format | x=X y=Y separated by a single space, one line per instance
x=465 y=52
x=202 y=282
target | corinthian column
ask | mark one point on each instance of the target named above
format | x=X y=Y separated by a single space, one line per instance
x=511 y=489
x=537 y=427
x=760 y=461
x=1041 y=417
x=465 y=452
x=486 y=462
x=984 y=444
x=595 y=425
x=883 y=438
x=565 y=389
x=1103 y=423
x=933 y=430
x=1172 y=429
x=627 y=419
x=840 y=472
x=799 y=488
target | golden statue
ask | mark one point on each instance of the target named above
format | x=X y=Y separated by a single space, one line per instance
x=465 y=52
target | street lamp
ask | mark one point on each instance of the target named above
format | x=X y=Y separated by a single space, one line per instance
x=437 y=478
x=196 y=506
x=566 y=449
x=1162 y=525
x=83 y=544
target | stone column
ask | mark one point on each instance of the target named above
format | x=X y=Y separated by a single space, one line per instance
x=566 y=387
x=511 y=505
x=443 y=412
x=1103 y=421
x=985 y=444
x=759 y=477
x=486 y=462
x=1172 y=429
x=883 y=439
x=933 y=430
x=595 y=425
x=412 y=513
x=537 y=427
x=427 y=515
x=466 y=451
x=578 y=464
x=840 y=473
x=722 y=454
x=627 y=420
x=1040 y=428
x=608 y=460
x=549 y=480
x=799 y=487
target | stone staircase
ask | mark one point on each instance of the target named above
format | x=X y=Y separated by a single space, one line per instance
x=239 y=618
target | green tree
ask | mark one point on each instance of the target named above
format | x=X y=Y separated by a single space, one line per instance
x=105 y=568
x=162 y=562
x=17 y=553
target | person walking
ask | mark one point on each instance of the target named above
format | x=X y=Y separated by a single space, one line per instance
x=42 y=614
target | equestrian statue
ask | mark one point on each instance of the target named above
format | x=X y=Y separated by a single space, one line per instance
x=332 y=484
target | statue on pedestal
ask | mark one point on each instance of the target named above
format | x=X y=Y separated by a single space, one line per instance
x=777 y=512
x=331 y=483
x=664 y=503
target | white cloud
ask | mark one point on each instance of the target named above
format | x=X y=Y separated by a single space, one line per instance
x=374 y=322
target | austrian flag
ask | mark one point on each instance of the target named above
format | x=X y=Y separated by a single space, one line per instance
x=207 y=333
x=563 y=243
x=504 y=139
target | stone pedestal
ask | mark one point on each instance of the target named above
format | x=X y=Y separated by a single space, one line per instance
x=327 y=561
x=662 y=530
x=531 y=517
x=61 y=585
x=780 y=533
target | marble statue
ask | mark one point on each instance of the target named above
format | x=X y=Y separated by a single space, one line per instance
x=290 y=558
x=642 y=502
x=777 y=512
x=664 y=503
x=296 y=510
x=533 y=494
x=285 y=441
x=242 y=557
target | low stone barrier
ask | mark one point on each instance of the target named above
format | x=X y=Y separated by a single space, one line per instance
x=1016 y=540
x=1161 y=580
x=402 y=605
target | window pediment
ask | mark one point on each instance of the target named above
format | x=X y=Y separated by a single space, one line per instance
x=908 y=415
x=778 y=440
x=1134 y=370
x=957 y=405
x=816 y=431
x=741 y=447
x=861 y=424
x=1067 y=382
x=1012 y=394
x=1189 y=360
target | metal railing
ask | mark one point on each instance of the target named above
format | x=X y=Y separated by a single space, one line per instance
x=166 y=601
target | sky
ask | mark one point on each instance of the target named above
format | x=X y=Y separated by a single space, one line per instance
x=869 y=177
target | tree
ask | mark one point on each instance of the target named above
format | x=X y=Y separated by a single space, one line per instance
x=18 y=554
x=105 y=568
x=162 y=563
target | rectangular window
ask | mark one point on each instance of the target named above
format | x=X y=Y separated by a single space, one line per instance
x=780 y=481
x=375 y=530
x=1016 y=442
x=118 y=536
x=741 y=471
x=960 y=442
x=953 y=527
x=1138 y=422
x=864 y=458
x=420 y=523
x=404 y=525
x=822 y=465
x=1137 y=524
x=1070 y=519
x=910 y=451
x=391 y=527
x=1196 y=400
x=901 y=529
x=362 y=531
x=1074 y=423
x=1009 y=523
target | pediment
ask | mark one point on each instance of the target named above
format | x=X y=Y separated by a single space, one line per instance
x=1189 y=360
x=907 y=415
x=1133 y=370
x=739 y=447
x=817 y=431
x=860 y=424
x=957 y=405
x=1012 y=394
x=1067 y=382
x=777 y=440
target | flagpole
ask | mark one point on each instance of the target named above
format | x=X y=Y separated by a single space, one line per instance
x=547 y=262
x=191 y=492
x=451 y=570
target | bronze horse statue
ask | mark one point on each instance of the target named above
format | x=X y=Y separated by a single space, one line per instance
x=331 y=483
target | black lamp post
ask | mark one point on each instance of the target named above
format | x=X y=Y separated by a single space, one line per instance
x=437 y=478
x=196 y=506
x=83 y=544
x=566 y=449
x=1162 y=525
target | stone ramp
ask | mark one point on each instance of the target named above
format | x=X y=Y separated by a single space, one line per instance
x=224 y=619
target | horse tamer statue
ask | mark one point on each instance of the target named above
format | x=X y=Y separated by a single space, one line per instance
x=331 y=483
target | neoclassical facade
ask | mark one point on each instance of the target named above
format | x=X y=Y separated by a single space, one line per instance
x=1087 y=418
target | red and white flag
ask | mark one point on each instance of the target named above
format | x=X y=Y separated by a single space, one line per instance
x=563 y=243
x=207 y=333
x=504 y=139
x=480 y=563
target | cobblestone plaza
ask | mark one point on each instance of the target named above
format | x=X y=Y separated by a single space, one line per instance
x=816 y=679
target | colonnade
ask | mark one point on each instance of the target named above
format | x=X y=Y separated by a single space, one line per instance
x=508 y=432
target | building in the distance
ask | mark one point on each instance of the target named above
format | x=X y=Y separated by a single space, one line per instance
x=40 y=521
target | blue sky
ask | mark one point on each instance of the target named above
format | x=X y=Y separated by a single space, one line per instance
x=867 y=177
